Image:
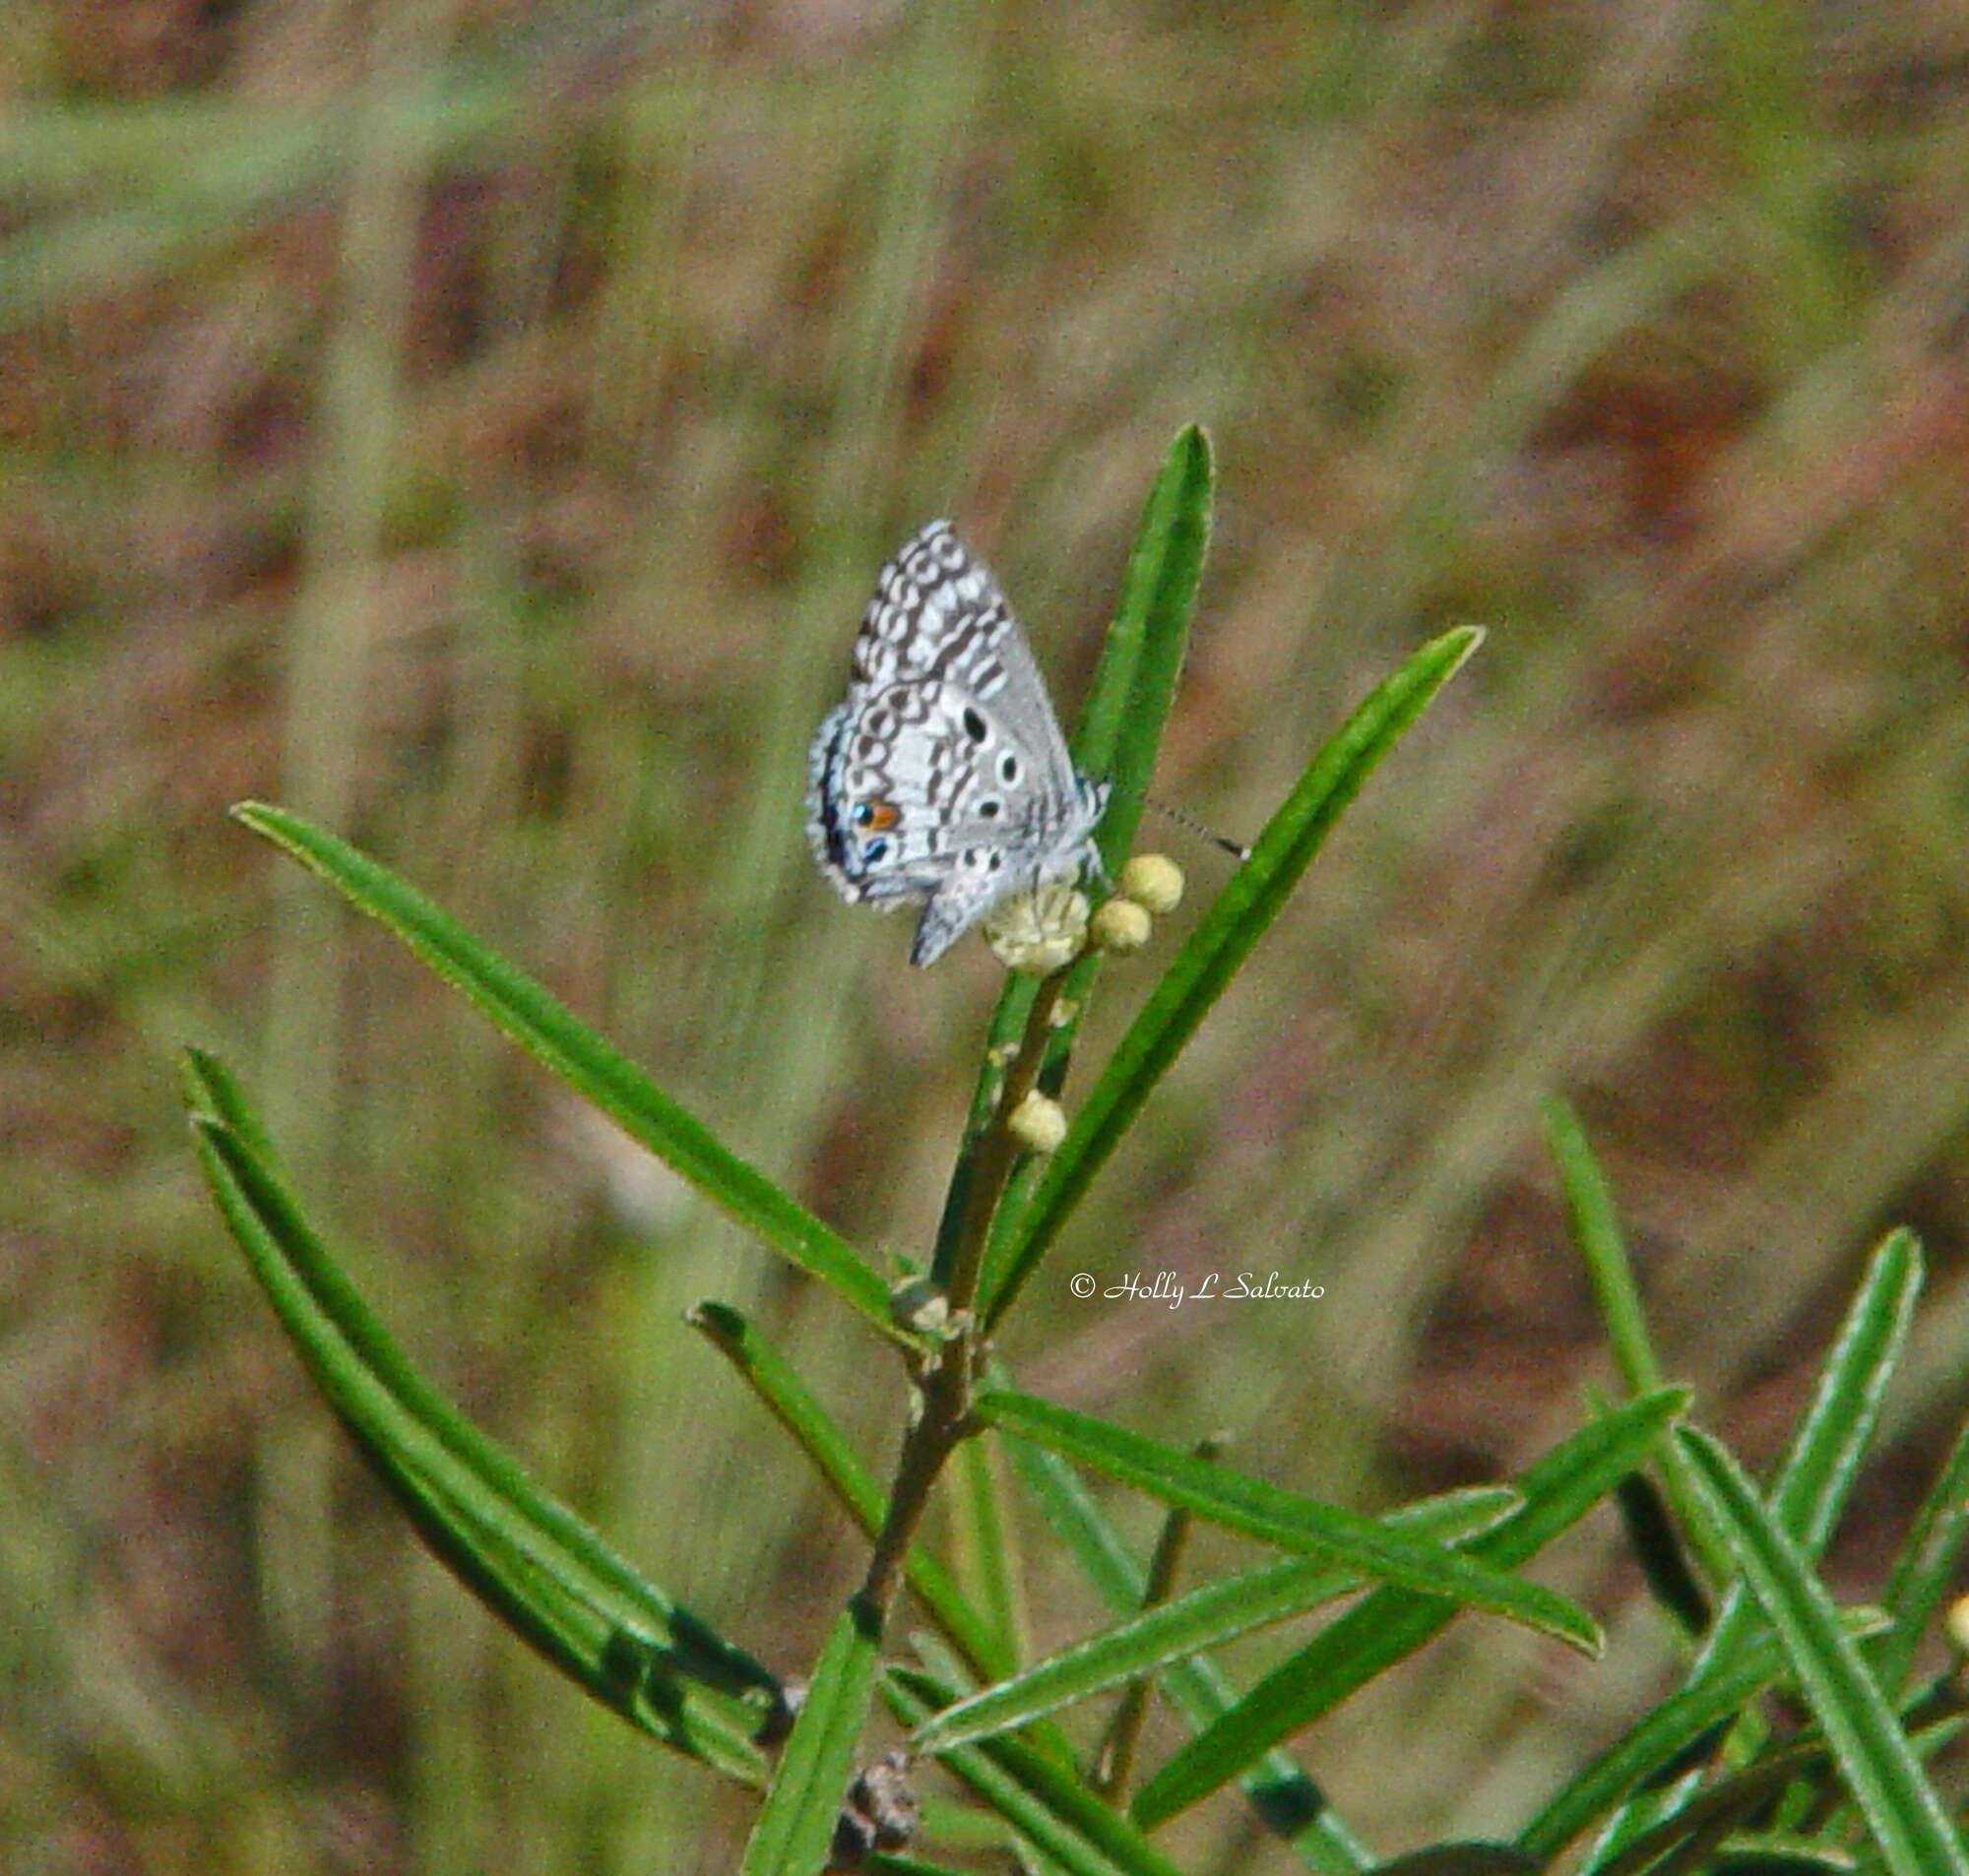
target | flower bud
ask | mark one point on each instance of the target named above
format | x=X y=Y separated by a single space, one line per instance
x=1121 y=925
x=1037 y=932
x=1153 y=881
x=1038 y=1123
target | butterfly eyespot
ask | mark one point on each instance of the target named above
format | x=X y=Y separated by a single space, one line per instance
x=876 y=849
x=880 y=815
x=974 y=725
x=1008 y=768
x=989 y=809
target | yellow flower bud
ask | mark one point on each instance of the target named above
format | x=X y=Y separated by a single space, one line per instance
x=1121 y=925
x=1037 y=933
x=1153 y=881
x=1038 y=1123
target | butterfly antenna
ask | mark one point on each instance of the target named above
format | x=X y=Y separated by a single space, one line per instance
x=1199 y=830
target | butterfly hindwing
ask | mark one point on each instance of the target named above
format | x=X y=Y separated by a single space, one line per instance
x=943 y=777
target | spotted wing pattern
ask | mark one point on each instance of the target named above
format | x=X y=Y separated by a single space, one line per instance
x=942 y=778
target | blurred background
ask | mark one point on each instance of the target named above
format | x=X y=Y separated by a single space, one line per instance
x=479 y=424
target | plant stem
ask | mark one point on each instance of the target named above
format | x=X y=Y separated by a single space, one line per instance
x=944 y=1380
x=1115 y=1763
x=996 y=1152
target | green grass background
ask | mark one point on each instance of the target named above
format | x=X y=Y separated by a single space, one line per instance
x=479 y=426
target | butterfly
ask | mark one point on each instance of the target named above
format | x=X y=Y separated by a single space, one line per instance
x=941 y=779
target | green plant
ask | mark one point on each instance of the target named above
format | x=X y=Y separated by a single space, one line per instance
x=968 y=1700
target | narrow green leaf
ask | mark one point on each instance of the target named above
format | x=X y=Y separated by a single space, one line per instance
x=1926 y=1567
x=978 y=1644
x=1602 y=1249
x=1910 y=1827
x=1826 y=1452
x=1134 y=686
x=526 y=1557
x=1685 y=1841
x=1206 y=1616
x=1287 y=1801
x=1196 y=977
x=1393 y=1621
x=796 y=1825
x=1121 y=731
x=1596 y=1230
x=1640 y=1755
x=1141 y=666
x=1044 y=1800
x=1831 y=1444
x=206 y=1088
x=983 y=1542
x=355 y=1347
x=1284 y=1519
x=787 y=1399
x=568 y=1049
x=1769 y=1853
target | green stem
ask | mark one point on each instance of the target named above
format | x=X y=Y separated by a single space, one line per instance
x=945 y=1377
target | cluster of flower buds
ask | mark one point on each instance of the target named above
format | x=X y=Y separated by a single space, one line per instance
x=1040 y=931
x=1035 y=933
